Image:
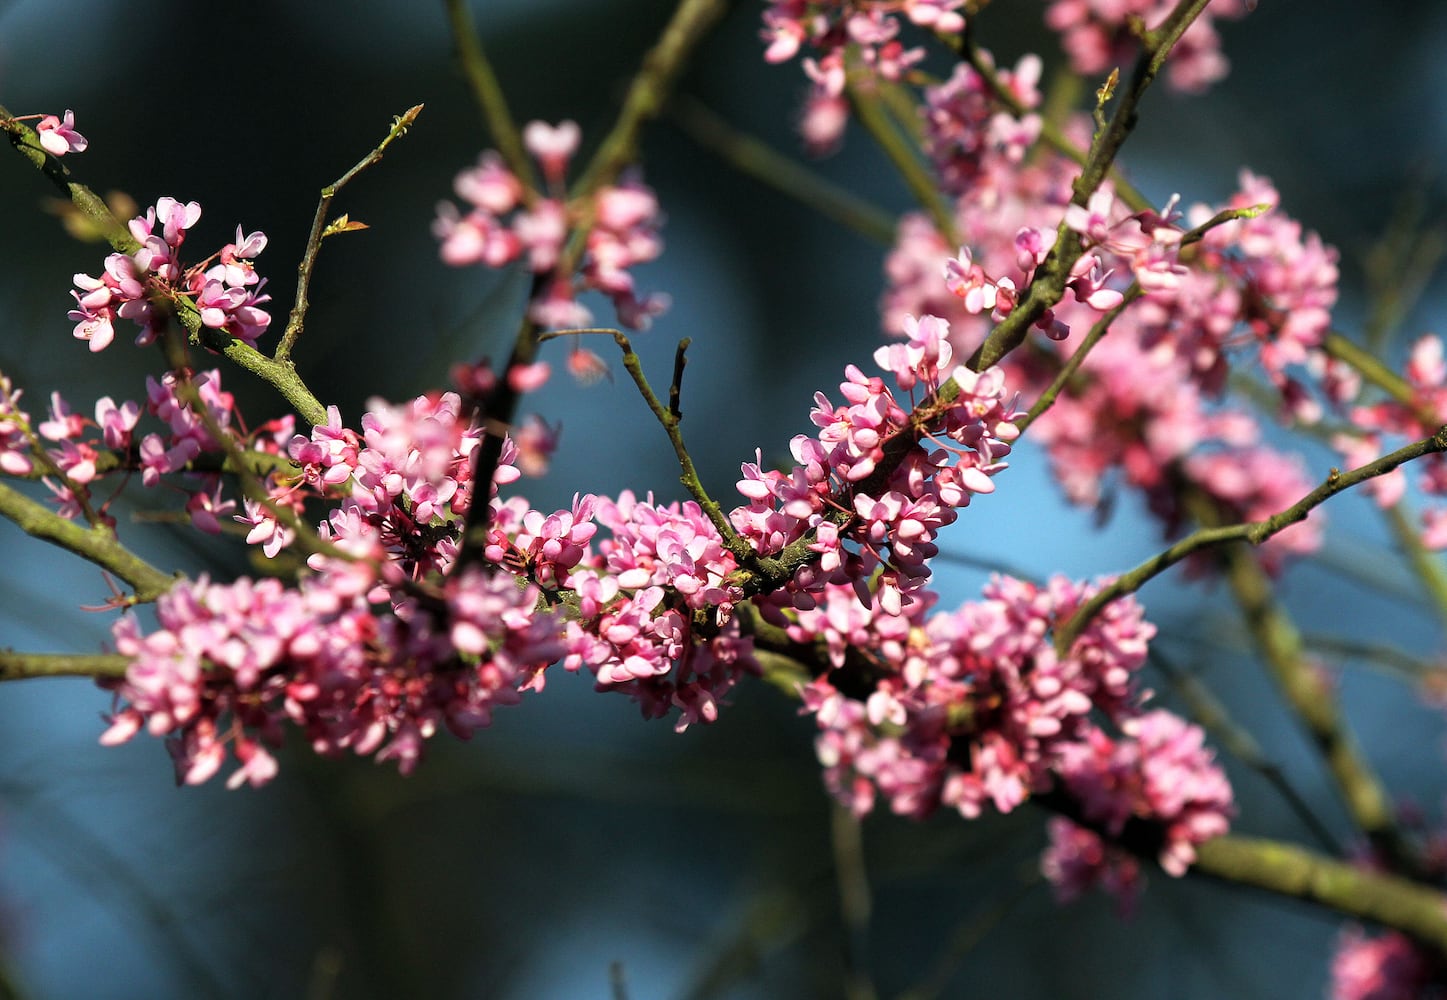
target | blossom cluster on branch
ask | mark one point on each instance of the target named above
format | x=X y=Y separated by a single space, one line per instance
x=1036 y=292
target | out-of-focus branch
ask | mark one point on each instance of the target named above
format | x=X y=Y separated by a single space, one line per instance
x=16 y=666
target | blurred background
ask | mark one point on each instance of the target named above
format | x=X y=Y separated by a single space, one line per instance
x=574 y=847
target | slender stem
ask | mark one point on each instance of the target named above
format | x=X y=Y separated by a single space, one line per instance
x=1254 y=532
x=319 y=230
x=1312 y=698
x=647 y=94
x=97 y=544
x=1073 y=363
x=1425 y=564
x=670 y=420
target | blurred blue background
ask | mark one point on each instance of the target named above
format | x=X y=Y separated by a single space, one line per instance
x=572 y=835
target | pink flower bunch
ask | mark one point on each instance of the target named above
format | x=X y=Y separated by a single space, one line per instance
x=228 y=295
x=655 y=608
x=967 y=134
x=229 y=664
x=15 y=457
x=828 y=27
x=1162 y=771
x=58 y=135
x=1388 y=967
x=404 y=481
x=1265 y=277
x=976 y=707
x=1143 y=403
x=507 y=221
x=1099 y=34
x=932 y=471
x=78 y=443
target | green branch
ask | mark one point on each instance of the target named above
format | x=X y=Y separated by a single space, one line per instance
x=25 y=666
x=756 y=159
x=97 y=544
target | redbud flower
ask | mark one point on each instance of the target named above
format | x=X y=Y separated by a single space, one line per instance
x=58 y=136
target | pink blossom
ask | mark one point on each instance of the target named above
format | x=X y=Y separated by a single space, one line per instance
x=58 y=136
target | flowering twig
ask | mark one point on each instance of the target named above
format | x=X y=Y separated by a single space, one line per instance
x=319 y=230
x=1053 y=275
x=281 y=375
x=670 y=418
x=1102 y=326
x=1050 y=131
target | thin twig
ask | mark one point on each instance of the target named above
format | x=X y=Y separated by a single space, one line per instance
x=868 y=107
x=320 y=230
x=688 y=475
x=1254 y=532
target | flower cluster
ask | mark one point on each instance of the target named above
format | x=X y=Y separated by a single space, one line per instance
x=83 y=450
x=828 y=28
x=507 y=221
x=228 y=295
x=1100 y=35
x=977 y=708
x=230 y=663
x=1143 y=406
x=1418 y=412
x=895 y=483
x=967 y=134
